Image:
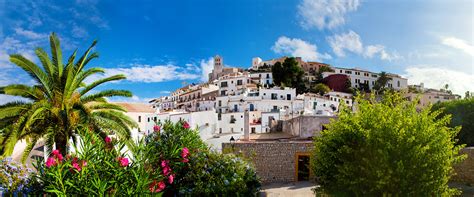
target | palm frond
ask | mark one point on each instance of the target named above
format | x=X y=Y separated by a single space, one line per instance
x=33 y=70
x=57 y=56
x=101 y=81
x=105 y=93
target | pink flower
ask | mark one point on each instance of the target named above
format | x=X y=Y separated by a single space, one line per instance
x=185 y=152
x=123 y=161
x=84 y=163
x=156 y=128
x=50 y=162
x=161 y=186
x=76 y=166
x=171 y=179
x=156 y=187
x=108 y=140
x=55 y=152
x=164 y=163
x=60 y=157
x=185 y=160
x=166 y=170
x=186 y=125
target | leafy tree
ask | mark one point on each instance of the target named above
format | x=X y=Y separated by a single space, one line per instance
x=319 y=74
x=289 y=74
x=61 y=102
x=462 y=113
x=382 y=81
x=386 y=148
x=325 y=69
x=320 y=89
x=467 y=95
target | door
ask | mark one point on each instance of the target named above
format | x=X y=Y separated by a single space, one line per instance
x=302 y=168
x=251 y=107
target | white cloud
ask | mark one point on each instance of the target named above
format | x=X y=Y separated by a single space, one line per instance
x=165 y=92
x=7 y=98
x=433 y=77
x=298 y=48
x=206 y=68
x=459 y=44
x=325 y=13
x=149 y=74
x=351 y=42
x=79 y=32
x=30 y=34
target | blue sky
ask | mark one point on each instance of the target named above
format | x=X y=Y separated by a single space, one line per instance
x=160 y=44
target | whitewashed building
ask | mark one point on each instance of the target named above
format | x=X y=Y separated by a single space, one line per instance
x=358 y=77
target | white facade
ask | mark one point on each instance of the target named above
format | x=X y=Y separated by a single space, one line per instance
x=262 y=78
x=233 y=84
x=366 y=77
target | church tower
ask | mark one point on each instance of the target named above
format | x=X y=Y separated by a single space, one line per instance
x=218 y=62
x=218 y=67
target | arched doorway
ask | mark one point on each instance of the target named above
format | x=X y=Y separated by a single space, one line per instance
x=251 y=107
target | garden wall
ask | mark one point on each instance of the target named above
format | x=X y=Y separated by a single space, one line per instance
x=306 y=126
x=465 y=169
x=274 y=161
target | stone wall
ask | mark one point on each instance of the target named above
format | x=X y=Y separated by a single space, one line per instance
x=305 y=126
x=465 y=169
x=274 y=161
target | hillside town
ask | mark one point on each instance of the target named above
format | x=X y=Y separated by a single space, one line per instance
x=235 y=100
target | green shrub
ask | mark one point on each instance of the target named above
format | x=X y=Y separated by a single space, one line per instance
x=386 y=148
x=99 y=167
x=462 y=112
x=201 y=172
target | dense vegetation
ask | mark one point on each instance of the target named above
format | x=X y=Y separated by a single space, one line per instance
x=172 y=161
x=386 y=148
x=61 y=102
x=462 y=114
x=289 y=74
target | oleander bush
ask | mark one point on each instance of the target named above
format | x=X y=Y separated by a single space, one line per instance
x=14 y=177
x=177 y=150
x=98 y=167
x=172 y=161
x=386 y=148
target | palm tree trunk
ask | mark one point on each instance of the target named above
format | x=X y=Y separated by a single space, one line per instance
x=61 y=145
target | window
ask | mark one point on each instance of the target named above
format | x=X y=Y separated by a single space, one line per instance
x=139 y=118
x=274 y=96
x=239 y=82
x=268 y=76
x=220 y=103
x=348 y=72
x=374 y=76
x=154 y=119
x=357 y=73
x=148 y=119
x=398 y=83
x=347 y=102
x=223 y=93
x=373 y=82
x=288 y=97
x=340 y=71
x=232 y=81
x=224 y=84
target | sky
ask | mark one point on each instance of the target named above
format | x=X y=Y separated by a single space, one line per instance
x=161 y=45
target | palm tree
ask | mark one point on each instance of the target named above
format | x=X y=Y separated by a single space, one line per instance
x=61 y=103
x=382 y=81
